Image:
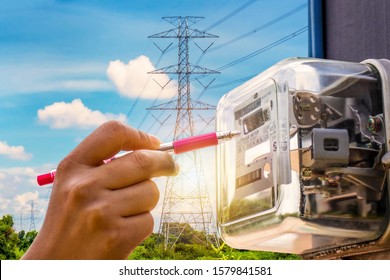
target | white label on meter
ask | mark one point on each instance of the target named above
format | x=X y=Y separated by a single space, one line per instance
x=256 y=118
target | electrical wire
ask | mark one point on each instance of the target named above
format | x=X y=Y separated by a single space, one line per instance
x=257 y=29
x=244 y=79
x=263 y=49
x=230 y=15
x=257 y=52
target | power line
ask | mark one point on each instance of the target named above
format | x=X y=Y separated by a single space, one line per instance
x=262 y=27
x=263 y=49
x=250 y=55
x=230 y=15
x=240 y=80
x=257 y=29
x=244 y=79
x=225 y=18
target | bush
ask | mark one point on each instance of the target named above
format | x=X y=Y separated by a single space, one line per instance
x=185 y=248
x=13 y=245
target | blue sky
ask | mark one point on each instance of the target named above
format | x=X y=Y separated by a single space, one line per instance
x=67 y=66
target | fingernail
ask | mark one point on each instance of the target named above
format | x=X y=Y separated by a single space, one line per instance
x=177 y=168
x=155 y=141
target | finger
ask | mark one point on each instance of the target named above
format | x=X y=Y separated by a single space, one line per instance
x=136 y=199
x=136 y=167
x=108 y=140
x=135 y=229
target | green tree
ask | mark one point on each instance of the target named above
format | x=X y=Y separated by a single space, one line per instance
x=9 y=239
x=26 y=239
x=189 y=247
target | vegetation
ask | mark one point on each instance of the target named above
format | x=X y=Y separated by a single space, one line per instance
x=153 y=249
x=188 y=247
x=12 y=244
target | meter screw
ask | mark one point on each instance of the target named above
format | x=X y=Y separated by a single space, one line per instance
x=306 y=173
x=374 y=124
x=386 y=160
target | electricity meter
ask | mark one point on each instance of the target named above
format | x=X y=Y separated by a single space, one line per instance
x=309 y=170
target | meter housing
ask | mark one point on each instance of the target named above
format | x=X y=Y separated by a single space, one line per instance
x=309 y=170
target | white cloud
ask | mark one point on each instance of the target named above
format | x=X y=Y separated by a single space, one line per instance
x=18 y=188
x=4 y=203
x=14 y=152
x=17 y=171
x=62 y=115
x=132 y=79
x=15 y=176
x=22 y=200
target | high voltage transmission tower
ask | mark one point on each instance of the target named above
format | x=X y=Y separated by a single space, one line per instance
x=20 y=221
x=186 y=200
x=33 y=210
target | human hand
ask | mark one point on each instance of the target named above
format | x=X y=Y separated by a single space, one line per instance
x=102 y=211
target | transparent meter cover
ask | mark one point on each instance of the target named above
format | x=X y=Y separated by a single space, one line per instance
x=305 y=173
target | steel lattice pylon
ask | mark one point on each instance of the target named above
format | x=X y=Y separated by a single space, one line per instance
x=186 y=200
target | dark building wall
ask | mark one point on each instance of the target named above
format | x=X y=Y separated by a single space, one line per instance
x=355 y=30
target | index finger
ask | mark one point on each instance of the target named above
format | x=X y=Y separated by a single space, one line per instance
x=108 y=140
